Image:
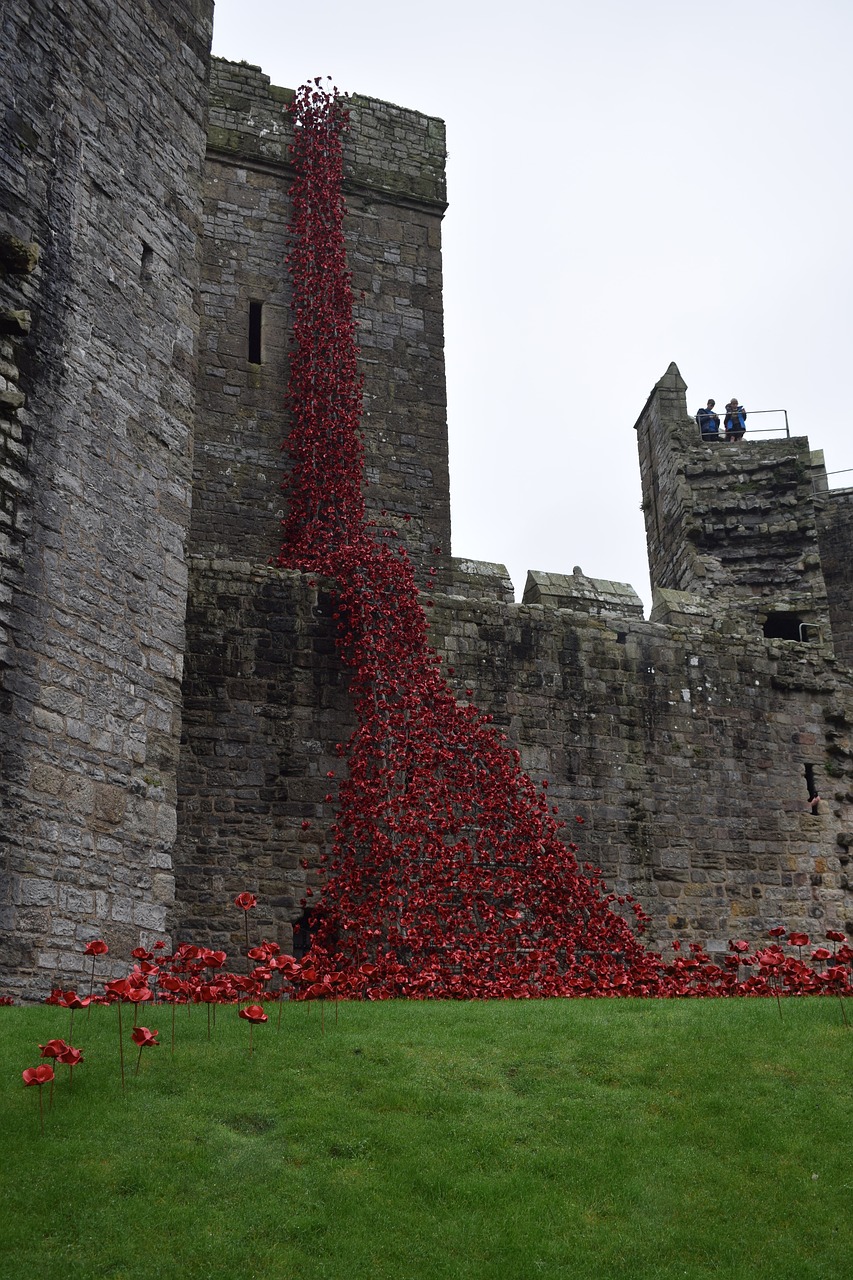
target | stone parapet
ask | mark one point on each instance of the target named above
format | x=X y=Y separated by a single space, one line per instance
x=598 y=596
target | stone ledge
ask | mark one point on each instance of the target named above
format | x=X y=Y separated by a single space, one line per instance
x=581 y=594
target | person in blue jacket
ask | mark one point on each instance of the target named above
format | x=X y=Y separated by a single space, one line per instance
x=735 y=420
x=709 y=422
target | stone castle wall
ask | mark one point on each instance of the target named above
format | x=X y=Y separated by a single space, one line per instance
x=684 y=749
x=102 y=142
x=834 y=514
x=690 y=744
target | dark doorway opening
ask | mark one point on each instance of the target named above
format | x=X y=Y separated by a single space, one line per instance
x=302 y=935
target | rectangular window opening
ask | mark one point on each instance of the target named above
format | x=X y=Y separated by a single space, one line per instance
x=256 y=311
x=811 y=787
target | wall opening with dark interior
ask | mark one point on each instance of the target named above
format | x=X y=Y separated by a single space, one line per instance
x=302 y=935
x=786 y=626
x=146 y=263
x=256 y=312
x=811 y=787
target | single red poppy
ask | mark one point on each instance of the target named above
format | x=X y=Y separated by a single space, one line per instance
x=245 y=901
x=70 y=1058
x=143 y=1037
x=53 y=1048
x=97 y=947
x=38 y=1075
x=118 y=988
x=253 y=1013
x=73 y=1001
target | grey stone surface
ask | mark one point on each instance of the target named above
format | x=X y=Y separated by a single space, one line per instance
x=587 y=595
x=102 y=142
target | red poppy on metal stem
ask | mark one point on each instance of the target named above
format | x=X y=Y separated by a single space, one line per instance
x=38 y=1076
x=97 y=947
x=53 y=1048
x=799 y=940
x=75 y=1002
x=245 y=901
x=137 y=995
x=70 y=1058
x=145 y=1039
x=118 y=989
x=252 y=1013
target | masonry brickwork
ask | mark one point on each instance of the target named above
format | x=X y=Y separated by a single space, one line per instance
x=394 y=187
x=172 y=704
x=102 y=143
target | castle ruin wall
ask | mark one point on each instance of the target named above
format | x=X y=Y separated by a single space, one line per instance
x=734 y=522
x=683 y=749
x=102 y=142
x=834 y=510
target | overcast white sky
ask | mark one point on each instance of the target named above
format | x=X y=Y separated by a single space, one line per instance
x=630 y=182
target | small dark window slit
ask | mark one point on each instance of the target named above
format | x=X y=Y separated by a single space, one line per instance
x=812 y=789
x=256 y=310
x=146 y=265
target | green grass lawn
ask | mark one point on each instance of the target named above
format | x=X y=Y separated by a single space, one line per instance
x=513 y=1140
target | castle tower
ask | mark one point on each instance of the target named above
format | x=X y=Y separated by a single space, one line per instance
x=394 y=185
x=734 y=523
x=103 y=141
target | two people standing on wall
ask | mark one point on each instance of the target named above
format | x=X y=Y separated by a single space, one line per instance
x=734 y=422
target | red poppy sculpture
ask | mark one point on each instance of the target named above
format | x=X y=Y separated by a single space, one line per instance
x=246 y=901
x=145 y=1039
x=253 y=1014
x=39 y=1076
x=97 y=947
x=448 y=872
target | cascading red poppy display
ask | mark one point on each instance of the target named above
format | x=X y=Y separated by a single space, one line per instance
x=448 y=870
x=449 y=875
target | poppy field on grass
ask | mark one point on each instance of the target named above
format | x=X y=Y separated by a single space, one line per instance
x=460 y=1140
